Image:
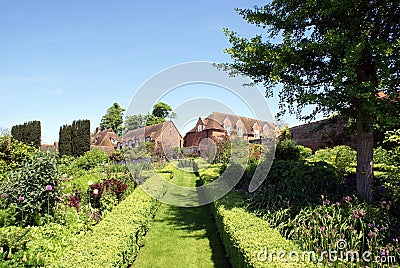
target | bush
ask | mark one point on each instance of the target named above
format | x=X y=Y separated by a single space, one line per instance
x=293 y=185
x=12 y=154
x=116 y=240
x=33 y=189
x=288 y=150
x=91 y=159
x=245 y=236
x=343 y=158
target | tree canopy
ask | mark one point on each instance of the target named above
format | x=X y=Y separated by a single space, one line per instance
x=339 y=56
x=113 y=118
x=135 y=121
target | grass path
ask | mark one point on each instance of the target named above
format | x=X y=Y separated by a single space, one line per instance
x=182 y=237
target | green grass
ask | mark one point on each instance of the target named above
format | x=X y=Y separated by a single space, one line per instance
x=182 y=237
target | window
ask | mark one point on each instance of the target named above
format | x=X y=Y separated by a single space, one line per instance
x=147 y=139
x=256 y=134
x=119 y=146
x=240 y=132
x=228 y=130
x=137 y=143
x=124 y=144
x=130 y=143
x=199 y=128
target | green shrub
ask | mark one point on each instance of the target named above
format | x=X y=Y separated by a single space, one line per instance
x=288 y=150
x=12 y=154
x=116 y=240
x=91 y=159
x=246 y=236
x=33 y=189
x=291 y=184
x=343 y=158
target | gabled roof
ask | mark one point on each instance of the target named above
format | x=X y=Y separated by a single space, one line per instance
x=247 y=122
x=153 y=131
x=104 y=137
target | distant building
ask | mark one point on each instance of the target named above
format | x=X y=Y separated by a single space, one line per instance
x=106 y=140
x=49 y=147
x=218 y=126
x=164 y=134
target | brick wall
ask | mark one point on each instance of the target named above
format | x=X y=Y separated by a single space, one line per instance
x=323 y=134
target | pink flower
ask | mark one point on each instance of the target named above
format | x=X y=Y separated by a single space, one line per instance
x=21 y=198
x=49 y=188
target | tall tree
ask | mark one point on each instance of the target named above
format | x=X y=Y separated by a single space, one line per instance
x=80 y=137
x=134 y=121
x=160 y=111
x=29 y=133
x=340 y=56
x=65 y=140
x=113 y=118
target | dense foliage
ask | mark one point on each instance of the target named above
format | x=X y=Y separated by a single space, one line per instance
x=338 y=56
x=33 y=189
x=120 y=235
x=12 y=154
x=29 y=133
x=74 y=140
x=113 y=118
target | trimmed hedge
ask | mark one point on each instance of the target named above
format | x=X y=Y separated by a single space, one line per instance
x=245 y=236
x=116 y=240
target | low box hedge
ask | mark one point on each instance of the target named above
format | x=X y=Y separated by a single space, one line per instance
x=116 y=240
x=246 y=236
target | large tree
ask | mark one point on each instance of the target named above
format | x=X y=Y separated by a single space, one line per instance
x=135 y=121
x=113 y=118
x=337 y=55
x=160 y=111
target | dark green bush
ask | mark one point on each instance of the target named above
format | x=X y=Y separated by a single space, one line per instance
x=296 y=184
x=288 y=150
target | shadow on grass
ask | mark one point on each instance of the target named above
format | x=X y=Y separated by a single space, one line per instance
x=198 y=223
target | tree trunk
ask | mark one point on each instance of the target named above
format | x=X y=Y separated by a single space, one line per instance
x=365 y=146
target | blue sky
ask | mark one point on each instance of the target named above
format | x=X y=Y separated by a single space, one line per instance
x=61 y=61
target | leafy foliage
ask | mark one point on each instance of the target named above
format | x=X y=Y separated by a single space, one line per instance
x=29 y=133
x=91 y=159
x=113 y=118
x=33 y=189
x=135 y=121
x=244 y=235
x=120 y=232
x=12 y=154
x=337 y=56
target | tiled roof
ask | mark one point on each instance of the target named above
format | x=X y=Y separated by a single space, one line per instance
x=152 y=131
x=104 y=138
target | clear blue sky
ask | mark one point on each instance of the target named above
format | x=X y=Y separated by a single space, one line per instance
x=67 y=60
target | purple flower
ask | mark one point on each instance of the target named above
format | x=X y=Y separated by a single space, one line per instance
x=322 y=228
x=358 y=213
x=326 y=202
x=347 y=198
x=49 y=188
x=4 y=195
x=21 y=198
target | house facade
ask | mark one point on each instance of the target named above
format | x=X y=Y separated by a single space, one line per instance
x=164 y=134
x=218 y=126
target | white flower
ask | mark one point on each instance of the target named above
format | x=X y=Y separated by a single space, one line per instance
x=89 y=183
x=95 y=191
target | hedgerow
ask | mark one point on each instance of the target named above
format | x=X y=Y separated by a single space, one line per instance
x=246 y=237
x=116 y=240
